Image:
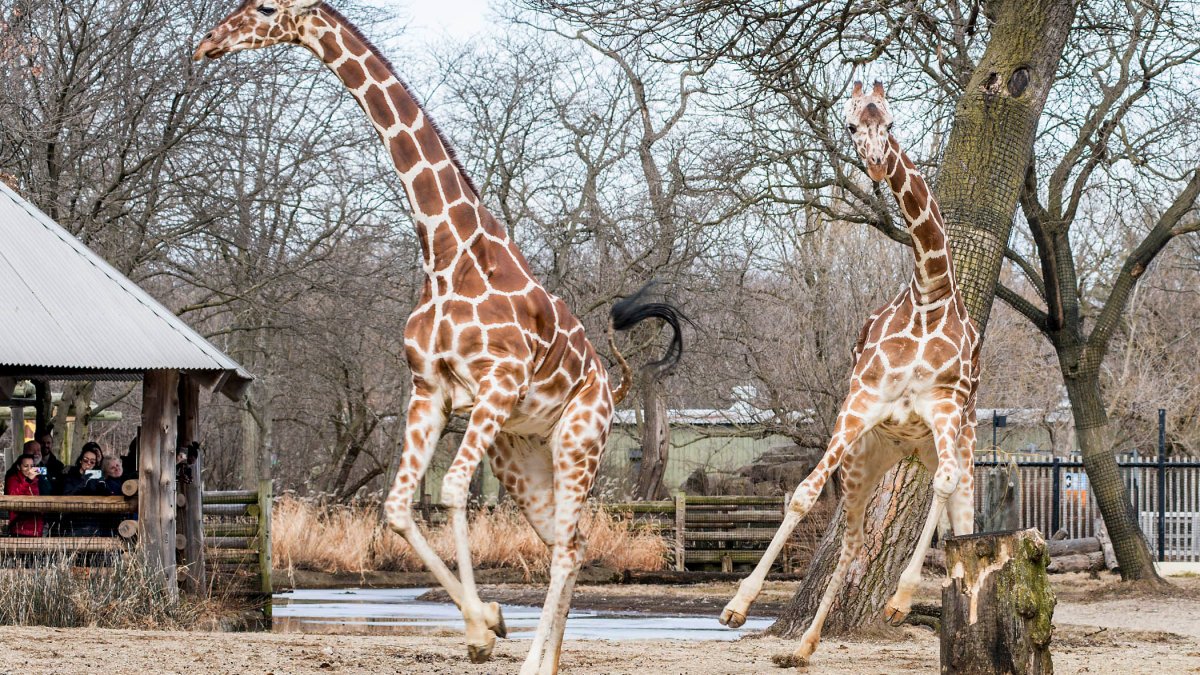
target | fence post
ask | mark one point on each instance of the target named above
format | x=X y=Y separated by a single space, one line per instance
x=1055 y=498
x=1162 y=484
x=264 y=540
x=680 y=522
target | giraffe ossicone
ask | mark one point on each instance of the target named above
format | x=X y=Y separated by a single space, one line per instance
x=912 y=387
x=486 y=339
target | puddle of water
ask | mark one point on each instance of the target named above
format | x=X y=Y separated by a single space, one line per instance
x=397 y=611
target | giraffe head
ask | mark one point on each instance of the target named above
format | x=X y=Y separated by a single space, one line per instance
x=869 y=123
x=255 y=24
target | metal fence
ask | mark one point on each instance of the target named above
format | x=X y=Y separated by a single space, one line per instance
x=1054 y=494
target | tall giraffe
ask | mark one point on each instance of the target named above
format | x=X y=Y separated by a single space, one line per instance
x=486 y=339
x=912 y=387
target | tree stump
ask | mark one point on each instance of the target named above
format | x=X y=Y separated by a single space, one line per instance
x=997 y=604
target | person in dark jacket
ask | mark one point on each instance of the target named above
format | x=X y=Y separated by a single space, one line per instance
x=24 y=481
x=83 y=478
x=55 y=469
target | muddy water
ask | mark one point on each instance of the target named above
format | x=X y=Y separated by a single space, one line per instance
x=397 y=611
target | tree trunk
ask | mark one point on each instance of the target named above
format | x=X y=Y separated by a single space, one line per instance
x=872 y=576
x=656 y=437
x=1091 y=426
x=977 y=189
x=998 y=606
x=991 y=141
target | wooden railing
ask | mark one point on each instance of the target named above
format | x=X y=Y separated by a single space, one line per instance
x=237 y=539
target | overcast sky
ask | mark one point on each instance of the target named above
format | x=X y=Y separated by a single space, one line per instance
x=458 y=19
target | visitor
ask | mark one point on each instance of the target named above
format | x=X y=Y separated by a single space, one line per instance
x=23 y=480
x=83 y=479
x=112 y=473
x=54 y=466
x=34 y=450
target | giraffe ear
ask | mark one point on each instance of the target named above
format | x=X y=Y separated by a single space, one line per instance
x=877 y=89
x=858 y=89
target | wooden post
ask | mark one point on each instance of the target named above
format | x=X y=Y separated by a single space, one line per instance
x=156 y=472
x=16 y=420
x=194 y=580
x=680 y=531
x=998 y=606
x=264 y=541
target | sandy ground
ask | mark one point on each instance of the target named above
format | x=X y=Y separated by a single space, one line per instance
x=1100 y=628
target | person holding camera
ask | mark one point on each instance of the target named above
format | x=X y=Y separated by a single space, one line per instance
x=23 y=479
x=84 y=478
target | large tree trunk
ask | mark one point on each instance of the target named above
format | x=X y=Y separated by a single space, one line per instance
x=1091 y=427
x=656 y=437
x=977 y=189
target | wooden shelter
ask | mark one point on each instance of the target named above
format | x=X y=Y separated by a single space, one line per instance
x=66 y=314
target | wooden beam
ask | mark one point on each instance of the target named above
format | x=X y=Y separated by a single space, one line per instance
x=156 y=472
x=60 y=544
x=67 y=504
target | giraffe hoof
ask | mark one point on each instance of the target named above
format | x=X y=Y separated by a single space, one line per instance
x=497 y=625
x=790 y=661
x=894 y=615
x=732 y=619
x=481 y=653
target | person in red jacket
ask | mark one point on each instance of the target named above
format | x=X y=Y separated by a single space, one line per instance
x=24 y=481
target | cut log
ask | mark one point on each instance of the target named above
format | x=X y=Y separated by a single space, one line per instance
x=1077 y=562
x=1072 y=546
x=128 y=529
x=997 y=605
x=1106 y=546
x=130 y=487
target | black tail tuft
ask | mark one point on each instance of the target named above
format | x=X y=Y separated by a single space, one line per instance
x=632 y=310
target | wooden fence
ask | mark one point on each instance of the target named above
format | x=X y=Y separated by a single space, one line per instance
x=712 y=531
x=237 y=540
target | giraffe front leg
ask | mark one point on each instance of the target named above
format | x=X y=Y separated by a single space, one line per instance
x=946 y=423
x=847 y=431
x=497 y=396
x=425 y=420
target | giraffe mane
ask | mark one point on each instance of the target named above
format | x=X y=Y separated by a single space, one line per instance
x=450 y=151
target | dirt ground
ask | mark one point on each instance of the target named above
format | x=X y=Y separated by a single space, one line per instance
x=1099 y=628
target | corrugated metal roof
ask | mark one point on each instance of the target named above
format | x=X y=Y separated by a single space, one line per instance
x=63 y=308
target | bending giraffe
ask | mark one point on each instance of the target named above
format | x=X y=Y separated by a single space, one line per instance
x=912 y=388
x=486 y=339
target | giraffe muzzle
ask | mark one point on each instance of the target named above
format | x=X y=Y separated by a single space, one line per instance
x=877 y=172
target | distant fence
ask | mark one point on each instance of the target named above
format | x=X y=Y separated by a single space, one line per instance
x=1056 y=494
x=708 y=532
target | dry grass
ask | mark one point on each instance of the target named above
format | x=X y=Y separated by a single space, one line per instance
x=64 y=590
x=324 y=538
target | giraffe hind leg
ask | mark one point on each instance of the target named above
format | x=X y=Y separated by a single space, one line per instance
x=861 y=471
x=577 y=446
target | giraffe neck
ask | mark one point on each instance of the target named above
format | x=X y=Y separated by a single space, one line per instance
x=445 y=203
x=933 y=269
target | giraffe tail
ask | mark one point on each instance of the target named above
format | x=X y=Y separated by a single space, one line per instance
x=631 y=311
